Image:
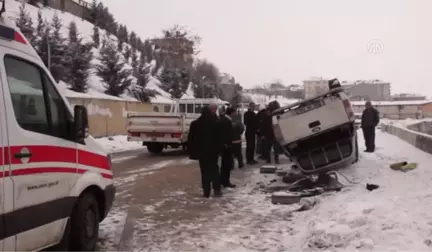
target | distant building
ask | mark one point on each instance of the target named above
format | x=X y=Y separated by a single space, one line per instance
x=408 y=97
x=398 y=110
x=315 y=86
x=227 y=86
x=79 y=8
x=375 y=90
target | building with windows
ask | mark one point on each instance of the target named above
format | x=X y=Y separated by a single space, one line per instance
x=79 y=8
x=375 y=90
x=315 y=86
x=408 y=97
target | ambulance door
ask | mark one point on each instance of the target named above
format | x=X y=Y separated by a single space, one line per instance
x=7 y=237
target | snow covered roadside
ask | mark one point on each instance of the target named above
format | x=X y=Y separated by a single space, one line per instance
x=118 y=144
x=404 y=123
x=395 y=217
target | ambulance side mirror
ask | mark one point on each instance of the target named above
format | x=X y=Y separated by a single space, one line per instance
x=80 y=122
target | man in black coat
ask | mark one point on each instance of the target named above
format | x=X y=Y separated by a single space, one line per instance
x=251 y=123
x=269 y=137
x=228 y=135
x=205 y=145
x=370 y=119
x=260 y=126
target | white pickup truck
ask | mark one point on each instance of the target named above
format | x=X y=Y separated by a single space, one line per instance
x=318 y=134
x=159 y=130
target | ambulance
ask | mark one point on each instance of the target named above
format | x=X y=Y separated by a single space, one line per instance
x=56 y=182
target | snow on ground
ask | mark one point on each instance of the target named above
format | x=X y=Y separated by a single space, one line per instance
x=118 y=143
x=395 y=217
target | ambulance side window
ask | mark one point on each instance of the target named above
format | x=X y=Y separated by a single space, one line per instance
x=37 y=105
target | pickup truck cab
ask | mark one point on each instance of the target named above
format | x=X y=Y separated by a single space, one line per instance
x=159 y=131
x=318 y=134
x=56 y=182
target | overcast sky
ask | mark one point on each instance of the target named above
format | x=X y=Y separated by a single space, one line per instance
x=258 y=41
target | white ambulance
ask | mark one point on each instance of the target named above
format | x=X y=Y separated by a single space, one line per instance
x=56 y=183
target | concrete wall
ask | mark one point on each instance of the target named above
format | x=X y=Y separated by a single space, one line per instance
x=108 y=117
x=420 y=140
x=397 y=112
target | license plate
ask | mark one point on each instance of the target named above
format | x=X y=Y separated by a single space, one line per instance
x=309 y=107
x=155 y=134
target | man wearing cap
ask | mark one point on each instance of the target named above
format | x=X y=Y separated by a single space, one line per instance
x=251 y=123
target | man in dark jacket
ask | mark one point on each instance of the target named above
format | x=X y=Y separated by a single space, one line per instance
x=251 y=123
x=205 y=145
x=370 y=119
x=259 y=119
x=227 y=137
x=269 y=137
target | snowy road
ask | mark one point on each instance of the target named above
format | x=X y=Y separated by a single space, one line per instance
x=161 y=197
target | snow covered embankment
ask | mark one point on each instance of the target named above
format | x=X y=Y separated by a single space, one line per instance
x=405 y=131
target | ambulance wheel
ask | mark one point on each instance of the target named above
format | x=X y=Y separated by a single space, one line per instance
x=155 y=148
x=85 y=224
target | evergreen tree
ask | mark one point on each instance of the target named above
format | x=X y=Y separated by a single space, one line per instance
x=133 y=39
x=73 y=33
x=174 y=81
x=127 y=53
x=44 y=43
x=57 y=45
x=206 y=80
x=134 y=60
x=25 y=23
x=94 y=12
x=110 y=70
x=148 y=51
x=140 y=91
x=40 y=28
x=77 y=61
x=96 y=36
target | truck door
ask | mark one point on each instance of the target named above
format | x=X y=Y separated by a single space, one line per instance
x=42 y=156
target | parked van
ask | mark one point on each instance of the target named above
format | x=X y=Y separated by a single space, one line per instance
x=56 y=182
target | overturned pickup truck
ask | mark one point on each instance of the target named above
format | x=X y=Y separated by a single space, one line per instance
x=318 y=134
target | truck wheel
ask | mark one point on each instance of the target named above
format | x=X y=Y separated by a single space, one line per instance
x=155 y=148
x=85 y=223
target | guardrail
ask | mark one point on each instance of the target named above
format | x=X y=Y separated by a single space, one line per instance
x=420 y=140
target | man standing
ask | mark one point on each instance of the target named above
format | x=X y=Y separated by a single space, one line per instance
x=205 y=145
x=269 y=137
x=251 y=123
x=227 y=130
x=238 y=130
x=260 y=127
x=370 y=119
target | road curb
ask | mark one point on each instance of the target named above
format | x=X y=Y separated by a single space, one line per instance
x=126 y=238
x=118 y=154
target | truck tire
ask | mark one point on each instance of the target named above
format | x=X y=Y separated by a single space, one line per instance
x=155 y=148
x=84 y=223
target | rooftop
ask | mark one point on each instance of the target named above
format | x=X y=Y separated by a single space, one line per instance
x=393 y=103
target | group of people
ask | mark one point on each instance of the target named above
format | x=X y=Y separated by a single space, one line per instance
x=214 y=136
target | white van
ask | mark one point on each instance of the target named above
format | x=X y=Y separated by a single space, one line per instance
x=56 y=182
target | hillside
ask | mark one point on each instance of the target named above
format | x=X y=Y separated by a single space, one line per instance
x=85 y=29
